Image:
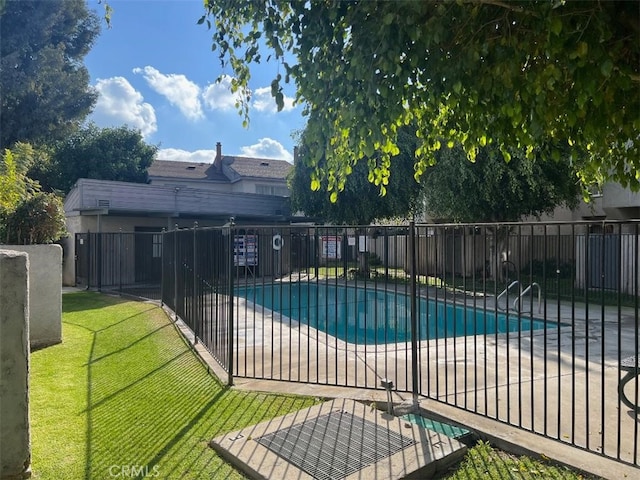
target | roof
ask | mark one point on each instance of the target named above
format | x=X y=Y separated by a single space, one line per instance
x=242 y=166
x=186 y=170
x=258 y=167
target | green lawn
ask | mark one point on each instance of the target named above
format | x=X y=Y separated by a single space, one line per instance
x=124 y=392
x=485 y=462
x=124 y=396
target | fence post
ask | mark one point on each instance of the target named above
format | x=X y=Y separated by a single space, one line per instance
x=194 y=297
x=230 y=235
x=162 y=258
x=99 y=259
x=120 y=260
x=89 y=258
x=414 y=313
x=175 y=272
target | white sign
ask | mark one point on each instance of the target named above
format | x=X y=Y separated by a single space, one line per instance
x=245 y=250
x=362 y=243
x=331 y=247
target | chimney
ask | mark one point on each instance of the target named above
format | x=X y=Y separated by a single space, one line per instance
x=218 y=160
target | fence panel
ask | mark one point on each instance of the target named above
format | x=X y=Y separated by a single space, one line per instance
x=529 y=324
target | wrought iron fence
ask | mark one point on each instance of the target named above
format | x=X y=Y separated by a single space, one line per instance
x=126 y=262
x=530 y=324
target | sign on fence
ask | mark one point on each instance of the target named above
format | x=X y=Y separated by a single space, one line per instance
x=245 y=250
x=331 y=247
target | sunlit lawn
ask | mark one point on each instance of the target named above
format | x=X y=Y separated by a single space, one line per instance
x=485 y=462
x=124 y=391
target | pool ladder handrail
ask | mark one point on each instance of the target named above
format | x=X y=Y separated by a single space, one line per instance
x=503 y=293
x=516 y=302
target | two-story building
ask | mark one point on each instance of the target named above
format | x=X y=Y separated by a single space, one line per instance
x=178 y=194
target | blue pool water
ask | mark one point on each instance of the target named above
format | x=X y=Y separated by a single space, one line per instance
x=374 y=316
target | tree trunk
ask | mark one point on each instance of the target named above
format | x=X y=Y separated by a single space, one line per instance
x=499 y=253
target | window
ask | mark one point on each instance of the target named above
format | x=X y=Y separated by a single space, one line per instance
x=156 y=244
x=276 y=190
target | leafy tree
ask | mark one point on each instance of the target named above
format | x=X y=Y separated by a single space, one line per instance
x=517 y=74
x=27 y=215
x=38 y=219
x=492 y=190
x=104 y=154
x=360 y=203
x=45 y=87
x=15 y=185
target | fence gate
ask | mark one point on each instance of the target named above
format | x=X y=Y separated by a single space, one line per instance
x=604 y=264
x=82 y=259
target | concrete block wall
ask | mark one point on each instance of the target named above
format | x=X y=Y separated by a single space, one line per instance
x=45 y=286
x=15 y=439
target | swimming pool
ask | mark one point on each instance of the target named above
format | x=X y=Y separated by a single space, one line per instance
x=368 y=316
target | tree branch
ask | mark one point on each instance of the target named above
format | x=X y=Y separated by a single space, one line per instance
x=506 y=6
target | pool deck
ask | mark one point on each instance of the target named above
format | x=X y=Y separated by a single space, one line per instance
x=496 y=376
x=499 y=377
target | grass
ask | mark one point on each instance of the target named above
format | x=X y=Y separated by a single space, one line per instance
x=124 y=392
x=124 y=396
x=485 y=462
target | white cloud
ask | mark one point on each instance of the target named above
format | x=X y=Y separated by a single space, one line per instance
x=264 y=102
x=218 y=96
x=178 y=89
x=267 y=148
x=119 y=103
x=178 y=155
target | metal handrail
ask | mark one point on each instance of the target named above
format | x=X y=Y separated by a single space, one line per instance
x=503 y=293
x=516 y=302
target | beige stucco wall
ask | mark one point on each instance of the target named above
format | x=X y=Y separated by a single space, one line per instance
x=15 y=440
x=45 y=287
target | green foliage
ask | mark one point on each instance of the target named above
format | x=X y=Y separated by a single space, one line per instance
x=492 y=190
x=360 y=201
x=104 y=154
x=15 y=185
x=36 y=220
x=550 y=268
x=373 y=260
x=12 y=190
x=517 y=74
x=27 y=215
x=45 y=87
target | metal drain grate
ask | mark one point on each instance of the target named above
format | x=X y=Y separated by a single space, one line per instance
x=334 y=445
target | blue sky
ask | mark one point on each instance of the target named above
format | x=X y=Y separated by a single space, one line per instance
x=155 y=71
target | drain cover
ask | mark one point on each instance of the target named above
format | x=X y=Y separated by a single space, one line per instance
x=334 y=445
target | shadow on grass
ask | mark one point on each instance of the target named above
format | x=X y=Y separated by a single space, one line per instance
x=78 y=301
x=152 y=406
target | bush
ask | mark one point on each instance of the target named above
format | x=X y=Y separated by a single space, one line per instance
x=551 y=268
x=38 y=219
x=373 y=260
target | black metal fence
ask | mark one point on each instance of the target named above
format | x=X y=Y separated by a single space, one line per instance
x=530 y=324
x=126 y=262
